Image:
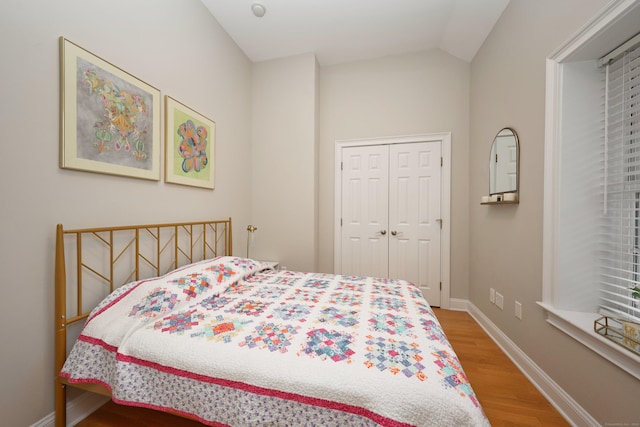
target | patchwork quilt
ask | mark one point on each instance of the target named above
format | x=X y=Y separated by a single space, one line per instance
x=230 y=342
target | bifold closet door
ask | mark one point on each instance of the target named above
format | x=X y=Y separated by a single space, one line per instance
x=390 y=213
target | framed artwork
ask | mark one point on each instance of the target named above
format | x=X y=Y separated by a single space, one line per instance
x=190 y=146
x=110 y=120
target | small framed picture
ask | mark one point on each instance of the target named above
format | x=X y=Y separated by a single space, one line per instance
x=190 y=146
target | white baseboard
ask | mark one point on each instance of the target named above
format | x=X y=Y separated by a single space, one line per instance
x=458 y=304
x=560 y=399
x=77 y=410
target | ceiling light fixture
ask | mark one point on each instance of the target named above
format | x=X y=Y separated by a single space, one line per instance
x=258 y=10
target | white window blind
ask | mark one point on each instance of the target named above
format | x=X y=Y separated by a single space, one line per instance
x=620 y=255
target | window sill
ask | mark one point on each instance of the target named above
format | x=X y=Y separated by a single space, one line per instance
x=579 y=326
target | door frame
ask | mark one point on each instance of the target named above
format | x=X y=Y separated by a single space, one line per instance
x=445 y=199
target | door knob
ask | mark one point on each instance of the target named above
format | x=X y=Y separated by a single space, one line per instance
x=394 y=232
x=383 y=232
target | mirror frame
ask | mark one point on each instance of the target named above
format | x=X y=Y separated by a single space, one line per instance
x=492 y=154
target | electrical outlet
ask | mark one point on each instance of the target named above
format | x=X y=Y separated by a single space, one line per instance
x=518 y=310
x=492 y=296
x=499 y=301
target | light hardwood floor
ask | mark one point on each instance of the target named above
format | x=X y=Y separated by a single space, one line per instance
x=507 y=396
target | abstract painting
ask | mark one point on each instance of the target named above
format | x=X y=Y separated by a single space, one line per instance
x=190 y=146
x=110 y=120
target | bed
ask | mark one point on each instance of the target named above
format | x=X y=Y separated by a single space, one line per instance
x=189 y=329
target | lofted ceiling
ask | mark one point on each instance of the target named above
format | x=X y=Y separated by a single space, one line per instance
x=339 y=31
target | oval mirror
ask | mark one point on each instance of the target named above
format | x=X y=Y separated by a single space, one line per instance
x=503 y=165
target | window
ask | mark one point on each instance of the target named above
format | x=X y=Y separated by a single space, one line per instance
x=620 y=254
x=591 y=243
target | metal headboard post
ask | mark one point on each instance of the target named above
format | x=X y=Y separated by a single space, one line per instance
x=61 y=330
x=158 y=251
x=191 y=243
x=79 y=273
x=175 y=245
x=229 y=243
x=204 y=241
x=137 y=238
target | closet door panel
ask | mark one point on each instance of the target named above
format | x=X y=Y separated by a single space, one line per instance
x=365 y=215
x=414 y=213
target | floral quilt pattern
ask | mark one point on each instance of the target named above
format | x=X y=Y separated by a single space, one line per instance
x=231 y=342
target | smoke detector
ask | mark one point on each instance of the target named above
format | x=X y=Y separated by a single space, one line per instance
x=258 y=10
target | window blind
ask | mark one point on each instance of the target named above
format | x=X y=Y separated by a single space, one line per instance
x=620 y=249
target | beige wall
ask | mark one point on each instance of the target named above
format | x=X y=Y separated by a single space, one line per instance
x=284 y=161
x=508 y=89
x=419 y=93
x=277 y=123
x=174 y=45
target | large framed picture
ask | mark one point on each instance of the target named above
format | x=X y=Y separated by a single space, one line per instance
x=190 y=146
x=110 y=120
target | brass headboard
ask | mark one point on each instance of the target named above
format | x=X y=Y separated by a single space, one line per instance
x=114 y=256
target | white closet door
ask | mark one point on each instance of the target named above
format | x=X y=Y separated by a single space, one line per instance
x=365 y=185
x=414 y=216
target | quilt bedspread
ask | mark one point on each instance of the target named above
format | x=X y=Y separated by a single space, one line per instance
x=230 y=342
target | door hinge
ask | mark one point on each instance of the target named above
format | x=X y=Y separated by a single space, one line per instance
x=441 y=161
x=340 y=222
x=341 y=166
x=440 y=285
x=439 y=222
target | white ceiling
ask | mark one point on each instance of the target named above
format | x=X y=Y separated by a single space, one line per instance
x=340 y=31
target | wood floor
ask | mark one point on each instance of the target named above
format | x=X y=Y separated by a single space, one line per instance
x=507 y=396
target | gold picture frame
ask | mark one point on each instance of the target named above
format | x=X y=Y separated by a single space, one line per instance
x=110 y=120
x=189 y=146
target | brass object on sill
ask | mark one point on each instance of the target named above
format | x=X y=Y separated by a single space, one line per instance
x=622 y=332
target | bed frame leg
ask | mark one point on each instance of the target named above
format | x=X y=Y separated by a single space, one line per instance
x=61 y=404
